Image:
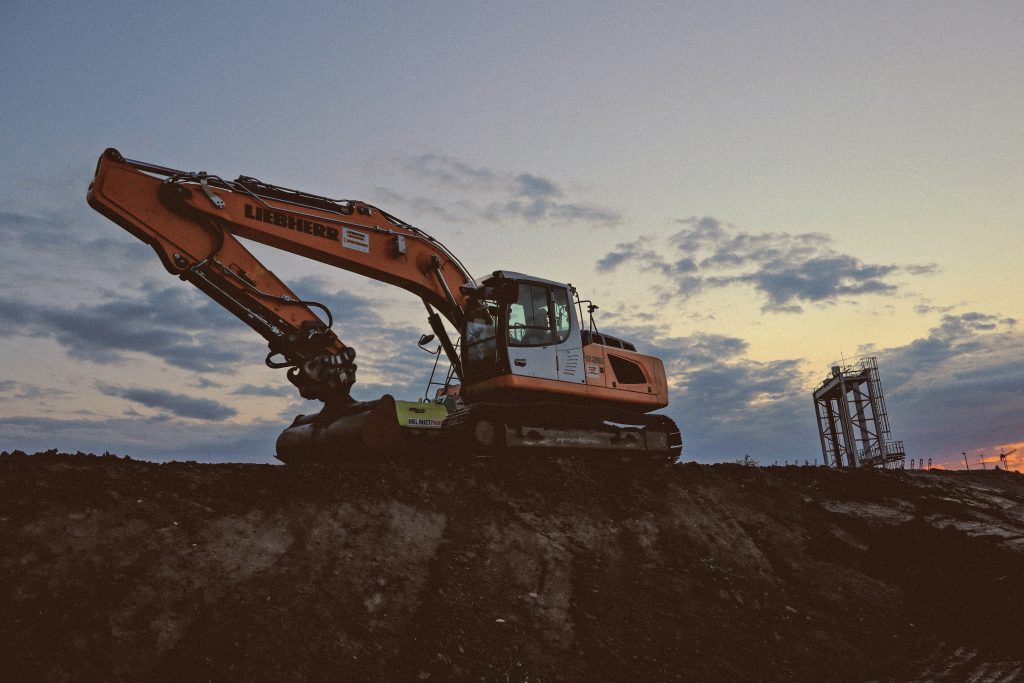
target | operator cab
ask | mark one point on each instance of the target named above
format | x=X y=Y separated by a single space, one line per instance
x=522 y=325
x=522 y=342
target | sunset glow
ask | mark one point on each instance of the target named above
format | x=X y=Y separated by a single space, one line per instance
x=986 y=458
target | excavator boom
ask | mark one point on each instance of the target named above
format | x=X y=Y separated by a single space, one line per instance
x=346 y=234
x=191 y=220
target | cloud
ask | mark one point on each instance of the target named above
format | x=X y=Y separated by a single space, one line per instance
x=175 y=324
x=490 y=195
x=59 y=233
x=528 y=185
x=451 y=172
x=29 y=230
x=22 y=225
x=29 y=392
x=176 y=404
x=786 y=270
x=971 y=338
x=277 y=390
x=926 y=308
x=172 y=324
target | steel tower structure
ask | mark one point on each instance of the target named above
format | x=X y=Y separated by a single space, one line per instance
x=852 y=421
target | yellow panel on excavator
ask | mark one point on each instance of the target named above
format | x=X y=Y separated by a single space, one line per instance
x=418 y=415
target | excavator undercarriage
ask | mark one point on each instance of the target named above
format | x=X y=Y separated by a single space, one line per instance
x=490 y=429
x=525 y=377
x=481 y=430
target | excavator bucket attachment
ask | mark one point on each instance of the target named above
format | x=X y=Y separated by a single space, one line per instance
x=369 y=429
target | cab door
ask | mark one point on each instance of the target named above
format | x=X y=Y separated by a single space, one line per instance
x=539 y=329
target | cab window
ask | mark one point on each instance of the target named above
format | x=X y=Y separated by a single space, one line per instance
x=480 y=345
x=539 y=316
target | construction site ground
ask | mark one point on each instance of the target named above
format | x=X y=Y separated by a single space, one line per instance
x=506 y=570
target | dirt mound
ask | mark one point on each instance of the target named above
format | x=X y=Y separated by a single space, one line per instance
x=524 y=570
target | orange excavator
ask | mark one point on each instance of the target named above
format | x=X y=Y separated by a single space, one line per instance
x=524 y=374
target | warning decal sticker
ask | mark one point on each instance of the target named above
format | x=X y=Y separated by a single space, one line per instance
x=353 y=239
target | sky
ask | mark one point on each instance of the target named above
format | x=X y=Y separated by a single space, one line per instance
x=752 y=191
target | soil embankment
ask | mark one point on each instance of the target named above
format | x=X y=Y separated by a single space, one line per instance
x=528 y=570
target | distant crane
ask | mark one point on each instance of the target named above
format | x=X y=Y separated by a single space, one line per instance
x=1002 y=457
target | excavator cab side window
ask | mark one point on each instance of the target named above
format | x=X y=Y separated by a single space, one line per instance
x=539 y=316
x=560 y=297
x=481 y=335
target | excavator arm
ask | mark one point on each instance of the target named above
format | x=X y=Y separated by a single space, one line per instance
x=192 y=219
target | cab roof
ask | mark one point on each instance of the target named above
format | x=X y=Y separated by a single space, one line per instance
x=512 y=275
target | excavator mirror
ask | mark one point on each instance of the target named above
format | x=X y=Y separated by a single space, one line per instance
x=425 y=339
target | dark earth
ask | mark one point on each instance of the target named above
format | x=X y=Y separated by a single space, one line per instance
x=506 y=570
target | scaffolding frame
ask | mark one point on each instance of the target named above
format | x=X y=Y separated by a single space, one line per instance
x=852 y=420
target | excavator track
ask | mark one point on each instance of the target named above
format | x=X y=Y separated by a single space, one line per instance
x=503 y=430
